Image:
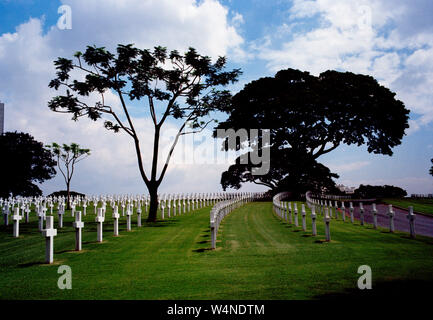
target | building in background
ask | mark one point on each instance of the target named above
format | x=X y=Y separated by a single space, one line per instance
x=2 y=117
x=345 y=189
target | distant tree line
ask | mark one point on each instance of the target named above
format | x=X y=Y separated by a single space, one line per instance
x=368 y=192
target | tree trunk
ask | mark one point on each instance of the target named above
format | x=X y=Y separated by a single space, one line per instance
x=68 y=206
x=153 y=208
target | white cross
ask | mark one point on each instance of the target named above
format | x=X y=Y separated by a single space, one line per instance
x=16 y=218
x=78 y=225
x=99 y=227
x=49 y=233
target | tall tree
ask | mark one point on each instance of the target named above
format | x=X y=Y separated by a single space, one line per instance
x=289 y=170
x=314 y=115
x=23 y=162
x=186 y=87
x=68 y=156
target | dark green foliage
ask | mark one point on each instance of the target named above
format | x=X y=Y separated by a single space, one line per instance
x=369 y=192
x=64 y=193
x=314 y=115
x=23 y=162
x=289 y=170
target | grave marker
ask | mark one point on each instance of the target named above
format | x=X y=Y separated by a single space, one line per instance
x=313 y=220
x=304 y=221
x=16 y=218
x=78 y=225
x=49 y=233
x=361 y=213
x=411 y=218
x=116 y=220
x=391 y=215
x=99 y=227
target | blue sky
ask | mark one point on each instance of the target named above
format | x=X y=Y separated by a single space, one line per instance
x=390 y=40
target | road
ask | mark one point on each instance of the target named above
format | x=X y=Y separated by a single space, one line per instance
x=423 y=224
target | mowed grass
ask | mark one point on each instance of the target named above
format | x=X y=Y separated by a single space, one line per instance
x=258 y=256
x=419 y=205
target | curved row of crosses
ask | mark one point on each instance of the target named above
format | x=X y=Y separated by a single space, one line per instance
x=328 y=207
x=223 y=208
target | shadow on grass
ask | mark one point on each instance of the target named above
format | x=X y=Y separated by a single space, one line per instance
x=399 y=289
x=30 y=264
x=202 y=250
x=159 y=224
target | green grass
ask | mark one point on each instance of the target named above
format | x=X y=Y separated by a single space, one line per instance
x=419 y=205
x=258 y=256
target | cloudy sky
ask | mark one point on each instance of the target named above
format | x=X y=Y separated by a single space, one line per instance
x=391 y=40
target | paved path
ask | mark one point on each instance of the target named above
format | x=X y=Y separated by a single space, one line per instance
x=423 y=224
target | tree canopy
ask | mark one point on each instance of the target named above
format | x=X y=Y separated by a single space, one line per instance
x=168 y=84
x=24 y=162
x=68 y=156
x=314 y=115
x=306 y=174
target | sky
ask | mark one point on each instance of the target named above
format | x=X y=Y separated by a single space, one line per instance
x=392 y=40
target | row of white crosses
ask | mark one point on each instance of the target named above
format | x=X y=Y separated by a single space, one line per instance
x=223 y=208
x=183 y=203
x=127 y=203
x=328 y=205
x=284 y=211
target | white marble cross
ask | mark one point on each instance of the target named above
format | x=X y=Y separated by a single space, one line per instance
x=304 y=221
x=116 y=220
x=290 y=213
x=327 y=220
x=60 y=213
x=78 y=225
x=411 y=218
x=361 y=213
x=351 y=209
x=139 y=215
x=6 y=215
x=27 y=210
x=391 y=215
x=313 y=220
x=99 y=227
x=343 y=211
x=49 y=233
x=16 y=218
x=129 y=213
x=295 y=210
x=41 y=218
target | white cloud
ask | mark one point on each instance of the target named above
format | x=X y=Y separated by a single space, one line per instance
x=26 y=65
x=347 y=167
x=391 y=40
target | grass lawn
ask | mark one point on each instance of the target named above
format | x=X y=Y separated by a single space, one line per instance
x=258 y=256
x=419 y=205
